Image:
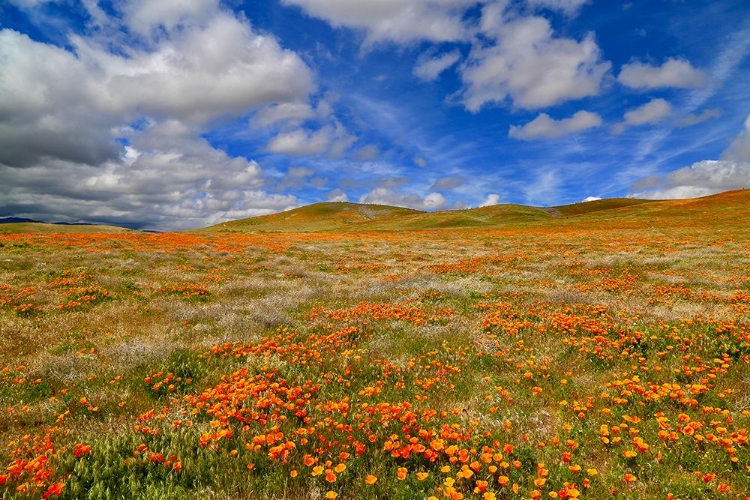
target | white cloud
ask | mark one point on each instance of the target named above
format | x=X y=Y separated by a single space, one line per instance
x=337 y=195
x=739 y=150
x=701 y=179
x=529 y=65
x=400 y=21
x=168 y=179
x=48 y=107
x=590 y=198
x=199 y=74
x=301 y=142
x=675 y=73
x=144 y=16
x=693 y=119
x=492 y=199
x=731 y=171
x=289 y=113
x=651 y=113
x=544 y=127
x=332 y=140
x=429 y=68
x=384 y=196
x=61 y=111
x=568 y=7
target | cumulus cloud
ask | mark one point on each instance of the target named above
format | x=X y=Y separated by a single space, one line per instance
x=288 y=113
x=385 y=196
x=167 y=179
x=739 y=150
x=221 y=69
x=492 y=199
x=528 y=64
x=701 y=179
x=337 y=195
x=513 y=57
x=544 y=127
x=590 y=198
x=674 y=73
x=332 y=140
x=46 y=106
x=429 y=68
x=651 y=113
x=108 y=130
x=301 y=142
x=145 y=16
x=731 y=171
x=400 y=21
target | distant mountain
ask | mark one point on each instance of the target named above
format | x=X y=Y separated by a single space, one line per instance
x=11 y=220
x=18 y=225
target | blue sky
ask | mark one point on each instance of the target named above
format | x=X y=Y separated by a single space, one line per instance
x=172 y=115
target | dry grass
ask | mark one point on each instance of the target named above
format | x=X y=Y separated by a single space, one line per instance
x=508 y=331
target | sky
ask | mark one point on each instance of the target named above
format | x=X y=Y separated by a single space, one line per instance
x=171 y=115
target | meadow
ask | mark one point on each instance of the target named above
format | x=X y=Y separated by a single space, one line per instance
x=591 y=351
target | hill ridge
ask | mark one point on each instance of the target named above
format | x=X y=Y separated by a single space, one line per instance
x=351 y=216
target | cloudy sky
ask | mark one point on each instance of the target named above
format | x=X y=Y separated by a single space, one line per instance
x=165 y=114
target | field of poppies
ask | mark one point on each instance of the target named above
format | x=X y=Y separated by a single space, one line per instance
x=586 y=358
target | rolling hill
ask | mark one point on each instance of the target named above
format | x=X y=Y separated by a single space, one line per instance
x=730 y=206
x=47 y=228
x=342 y=216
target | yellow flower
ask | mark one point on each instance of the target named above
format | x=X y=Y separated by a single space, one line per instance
x=401 y=473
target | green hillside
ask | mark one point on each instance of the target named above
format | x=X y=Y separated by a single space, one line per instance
x=44 y=228
x=341 y=216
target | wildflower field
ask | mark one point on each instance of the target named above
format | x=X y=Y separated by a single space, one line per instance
x=587 y=355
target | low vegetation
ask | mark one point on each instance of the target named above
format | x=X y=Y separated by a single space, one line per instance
x=597 y=351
